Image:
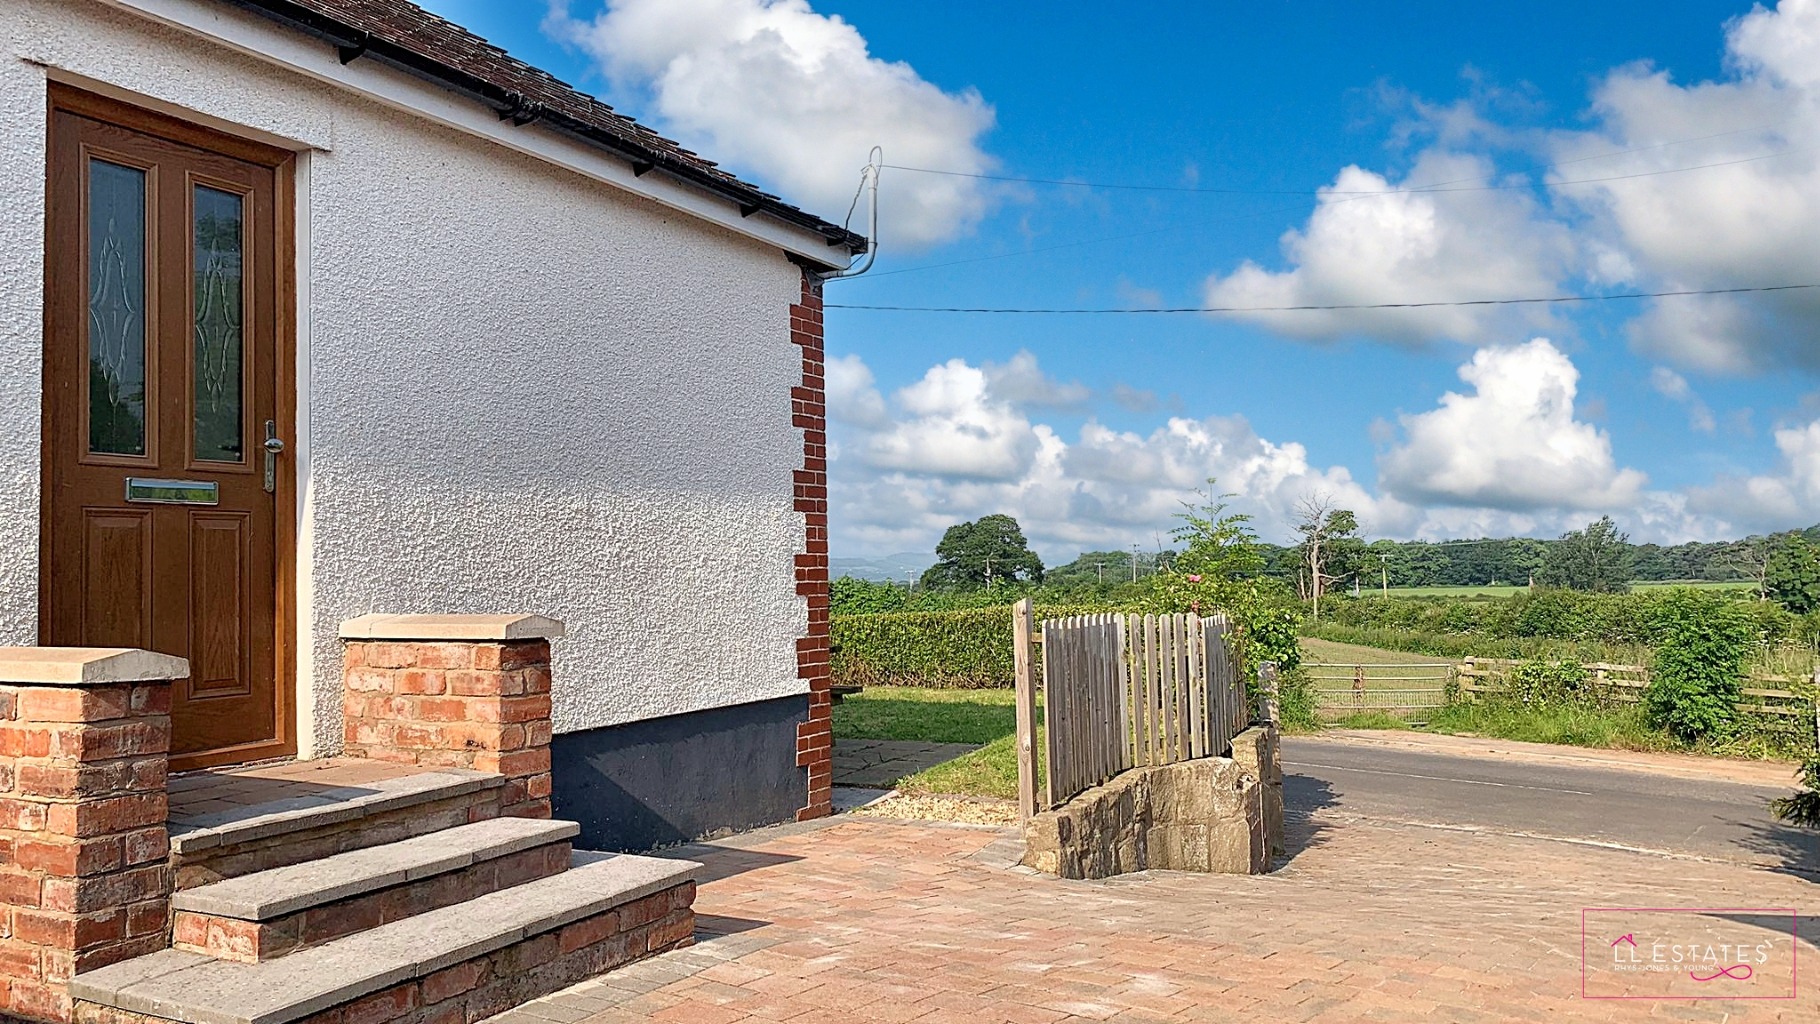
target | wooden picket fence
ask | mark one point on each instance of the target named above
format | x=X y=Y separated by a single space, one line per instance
x=1121 y=691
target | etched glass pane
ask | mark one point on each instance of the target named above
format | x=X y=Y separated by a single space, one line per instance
x=116 y=309
x=218 y=329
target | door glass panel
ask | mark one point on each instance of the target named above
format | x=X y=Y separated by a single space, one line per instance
x=116 y=309
x=219 y=332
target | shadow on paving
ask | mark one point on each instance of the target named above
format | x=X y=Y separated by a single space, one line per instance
x=709 y=926
x=720 y=862
x=1302 y=797
x=1796 y=850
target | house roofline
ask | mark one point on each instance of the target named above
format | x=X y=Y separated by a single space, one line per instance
x=355 y=43
x=508 y=119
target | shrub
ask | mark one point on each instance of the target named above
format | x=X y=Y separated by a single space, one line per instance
x=1551 y=684
x=967 y=649
x=1565 y=616
x=1296 y=700
x=1803 y=808
x=850 y=595
x=1701 y=645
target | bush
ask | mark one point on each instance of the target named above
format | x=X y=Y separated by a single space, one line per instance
x=1803 y=808
x=1452 y=645
x=1702 y=643
x=1296 y=701
x=967 y=649
x=1559 y=615
x=1552 y=684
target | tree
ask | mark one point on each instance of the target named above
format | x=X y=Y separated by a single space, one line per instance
x=1750 y=558
x=1325 y=531
x=988 y=552
x=1222 y=569
x=1596 y=559
x=1792 y=574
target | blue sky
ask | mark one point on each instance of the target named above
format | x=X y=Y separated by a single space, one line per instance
x=1683 y=418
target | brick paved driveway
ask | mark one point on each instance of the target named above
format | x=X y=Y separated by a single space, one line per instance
x=874 y=921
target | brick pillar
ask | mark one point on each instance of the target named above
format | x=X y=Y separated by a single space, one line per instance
x=85 y=737
x=454 y=691
x=809 y=412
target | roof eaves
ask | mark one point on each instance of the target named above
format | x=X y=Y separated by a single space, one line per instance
x=354 y=43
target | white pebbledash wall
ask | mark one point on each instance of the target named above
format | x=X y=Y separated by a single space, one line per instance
x=522 y=389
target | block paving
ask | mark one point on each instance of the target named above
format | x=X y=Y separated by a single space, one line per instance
x=863 y=920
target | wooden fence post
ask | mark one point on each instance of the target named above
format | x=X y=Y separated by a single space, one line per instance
x=1022 y=625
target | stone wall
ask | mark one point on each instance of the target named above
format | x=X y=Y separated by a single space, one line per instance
x=1215 y=814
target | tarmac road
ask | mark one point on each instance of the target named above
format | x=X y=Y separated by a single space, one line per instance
x=1553 y=798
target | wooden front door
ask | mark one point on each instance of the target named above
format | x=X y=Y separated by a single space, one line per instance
x=165 y=374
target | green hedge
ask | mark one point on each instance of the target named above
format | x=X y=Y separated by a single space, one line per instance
x=955 y=650
x=1620 y=619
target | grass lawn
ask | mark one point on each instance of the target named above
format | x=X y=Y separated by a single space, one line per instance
x=1330 y=652
x=942 y=716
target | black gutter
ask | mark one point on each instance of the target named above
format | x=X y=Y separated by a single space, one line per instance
x=353 y=43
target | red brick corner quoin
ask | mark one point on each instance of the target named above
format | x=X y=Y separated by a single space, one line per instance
x=454 y=691
x=809 y=412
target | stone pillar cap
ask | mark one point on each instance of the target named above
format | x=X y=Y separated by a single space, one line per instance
x=452 y=627
x=87 y=666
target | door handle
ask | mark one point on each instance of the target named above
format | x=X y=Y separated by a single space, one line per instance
x=273 y=447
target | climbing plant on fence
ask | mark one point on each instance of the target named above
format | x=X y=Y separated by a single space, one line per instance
x=962 y=649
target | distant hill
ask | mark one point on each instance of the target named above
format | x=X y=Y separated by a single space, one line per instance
x=897 y=567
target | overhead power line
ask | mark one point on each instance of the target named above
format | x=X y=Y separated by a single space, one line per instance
x=1432 y=186
x=1338 y=306
x=1416 y=190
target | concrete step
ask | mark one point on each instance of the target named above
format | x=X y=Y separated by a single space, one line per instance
x=272 y=913
x=464 y=962
x=328 y=821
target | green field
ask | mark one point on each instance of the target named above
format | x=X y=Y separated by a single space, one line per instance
x=1329 y=652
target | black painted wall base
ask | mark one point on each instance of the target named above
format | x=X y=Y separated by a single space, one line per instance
x=670 y=780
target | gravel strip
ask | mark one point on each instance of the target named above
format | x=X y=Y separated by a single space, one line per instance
x=967 y=810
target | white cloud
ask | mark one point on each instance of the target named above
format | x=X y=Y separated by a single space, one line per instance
x=1408 y=247
x=852 y=398
x=797 y=98
x=1782 y=500
x=956 y=446
x=1513 y=444
x=1022 y=382
x=1751 y=221
x=956 y=425
x=1674 y=387
x=949 y=448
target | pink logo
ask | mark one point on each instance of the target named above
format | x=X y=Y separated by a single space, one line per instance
x=1689 y=953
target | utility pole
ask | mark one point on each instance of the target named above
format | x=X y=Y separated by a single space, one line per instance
x=988 y=572
x=1134 y=558
x=1102 y=566
x=1384 y=570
